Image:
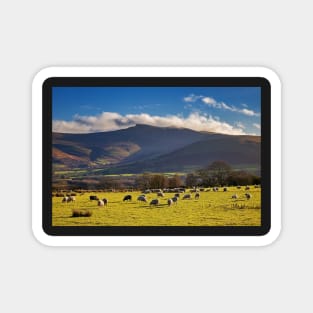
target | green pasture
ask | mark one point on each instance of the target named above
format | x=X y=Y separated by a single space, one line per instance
x=212 y=209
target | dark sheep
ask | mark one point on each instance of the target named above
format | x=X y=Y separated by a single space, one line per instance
x=175 y=199
x=187 y=196
x=127 y=198
x=248 y=196
x=93 y=198
x=197 y=195
x=142 y=198
x=154 y=202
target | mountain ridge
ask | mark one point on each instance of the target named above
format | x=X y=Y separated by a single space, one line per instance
x=145 y=147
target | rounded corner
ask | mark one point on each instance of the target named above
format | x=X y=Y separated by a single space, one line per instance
x=41 y=236
x=270 y=75
x=271 y=236
x=42 y=76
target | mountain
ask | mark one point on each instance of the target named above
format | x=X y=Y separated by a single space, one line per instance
x=149 y=148
x=239 y=151
x=126 y=145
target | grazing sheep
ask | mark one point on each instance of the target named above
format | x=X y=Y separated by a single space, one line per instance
x=169 y=202
x=238 y=187
x=93 y=198
x=247 y=188
x=177 y=195
x=156 y=190
x=248 y=196
x=209 y=189
x=100 y=203
x=105 y=201
x=201 y=189
x=71 y=199
x=215 y=189
x=224 y=189
x=147 y=191
x=235 y=196
x=160 y=194
x=197 y=196
x=187 y=196
x=142 y=198
x=127 y=198
x=154 y=202
x=65 y=199
x=175 y=199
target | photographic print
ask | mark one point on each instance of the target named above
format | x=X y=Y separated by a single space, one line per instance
x=156 y=156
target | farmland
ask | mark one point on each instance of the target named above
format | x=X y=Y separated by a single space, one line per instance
x=212 y=209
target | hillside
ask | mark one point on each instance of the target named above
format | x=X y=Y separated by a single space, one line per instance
x=239 y=151
x=126 y=145
x=147 y=148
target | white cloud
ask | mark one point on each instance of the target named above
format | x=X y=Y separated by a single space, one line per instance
x=240 y=125
x=248 y=112
x=209 y=100
x=109 y=121
x=192 y=98
x=222 y=105
x=258 y=126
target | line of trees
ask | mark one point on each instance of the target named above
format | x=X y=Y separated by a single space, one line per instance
x=218 y=173
x=154 y=181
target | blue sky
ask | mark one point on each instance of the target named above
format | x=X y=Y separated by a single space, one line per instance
x=222 y=109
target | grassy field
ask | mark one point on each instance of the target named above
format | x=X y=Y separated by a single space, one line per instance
x=212 y=209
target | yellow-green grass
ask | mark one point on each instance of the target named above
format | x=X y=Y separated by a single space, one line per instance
x=212 y=209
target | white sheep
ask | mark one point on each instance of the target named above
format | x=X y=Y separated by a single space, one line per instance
x=169 y=202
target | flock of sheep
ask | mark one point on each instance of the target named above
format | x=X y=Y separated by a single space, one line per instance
x=180 y=194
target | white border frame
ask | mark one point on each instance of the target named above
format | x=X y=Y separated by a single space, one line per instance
x=49 y=240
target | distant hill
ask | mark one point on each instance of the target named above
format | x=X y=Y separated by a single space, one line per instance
x=157 y=149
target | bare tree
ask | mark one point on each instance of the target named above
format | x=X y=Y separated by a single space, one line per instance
x=175 y=181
